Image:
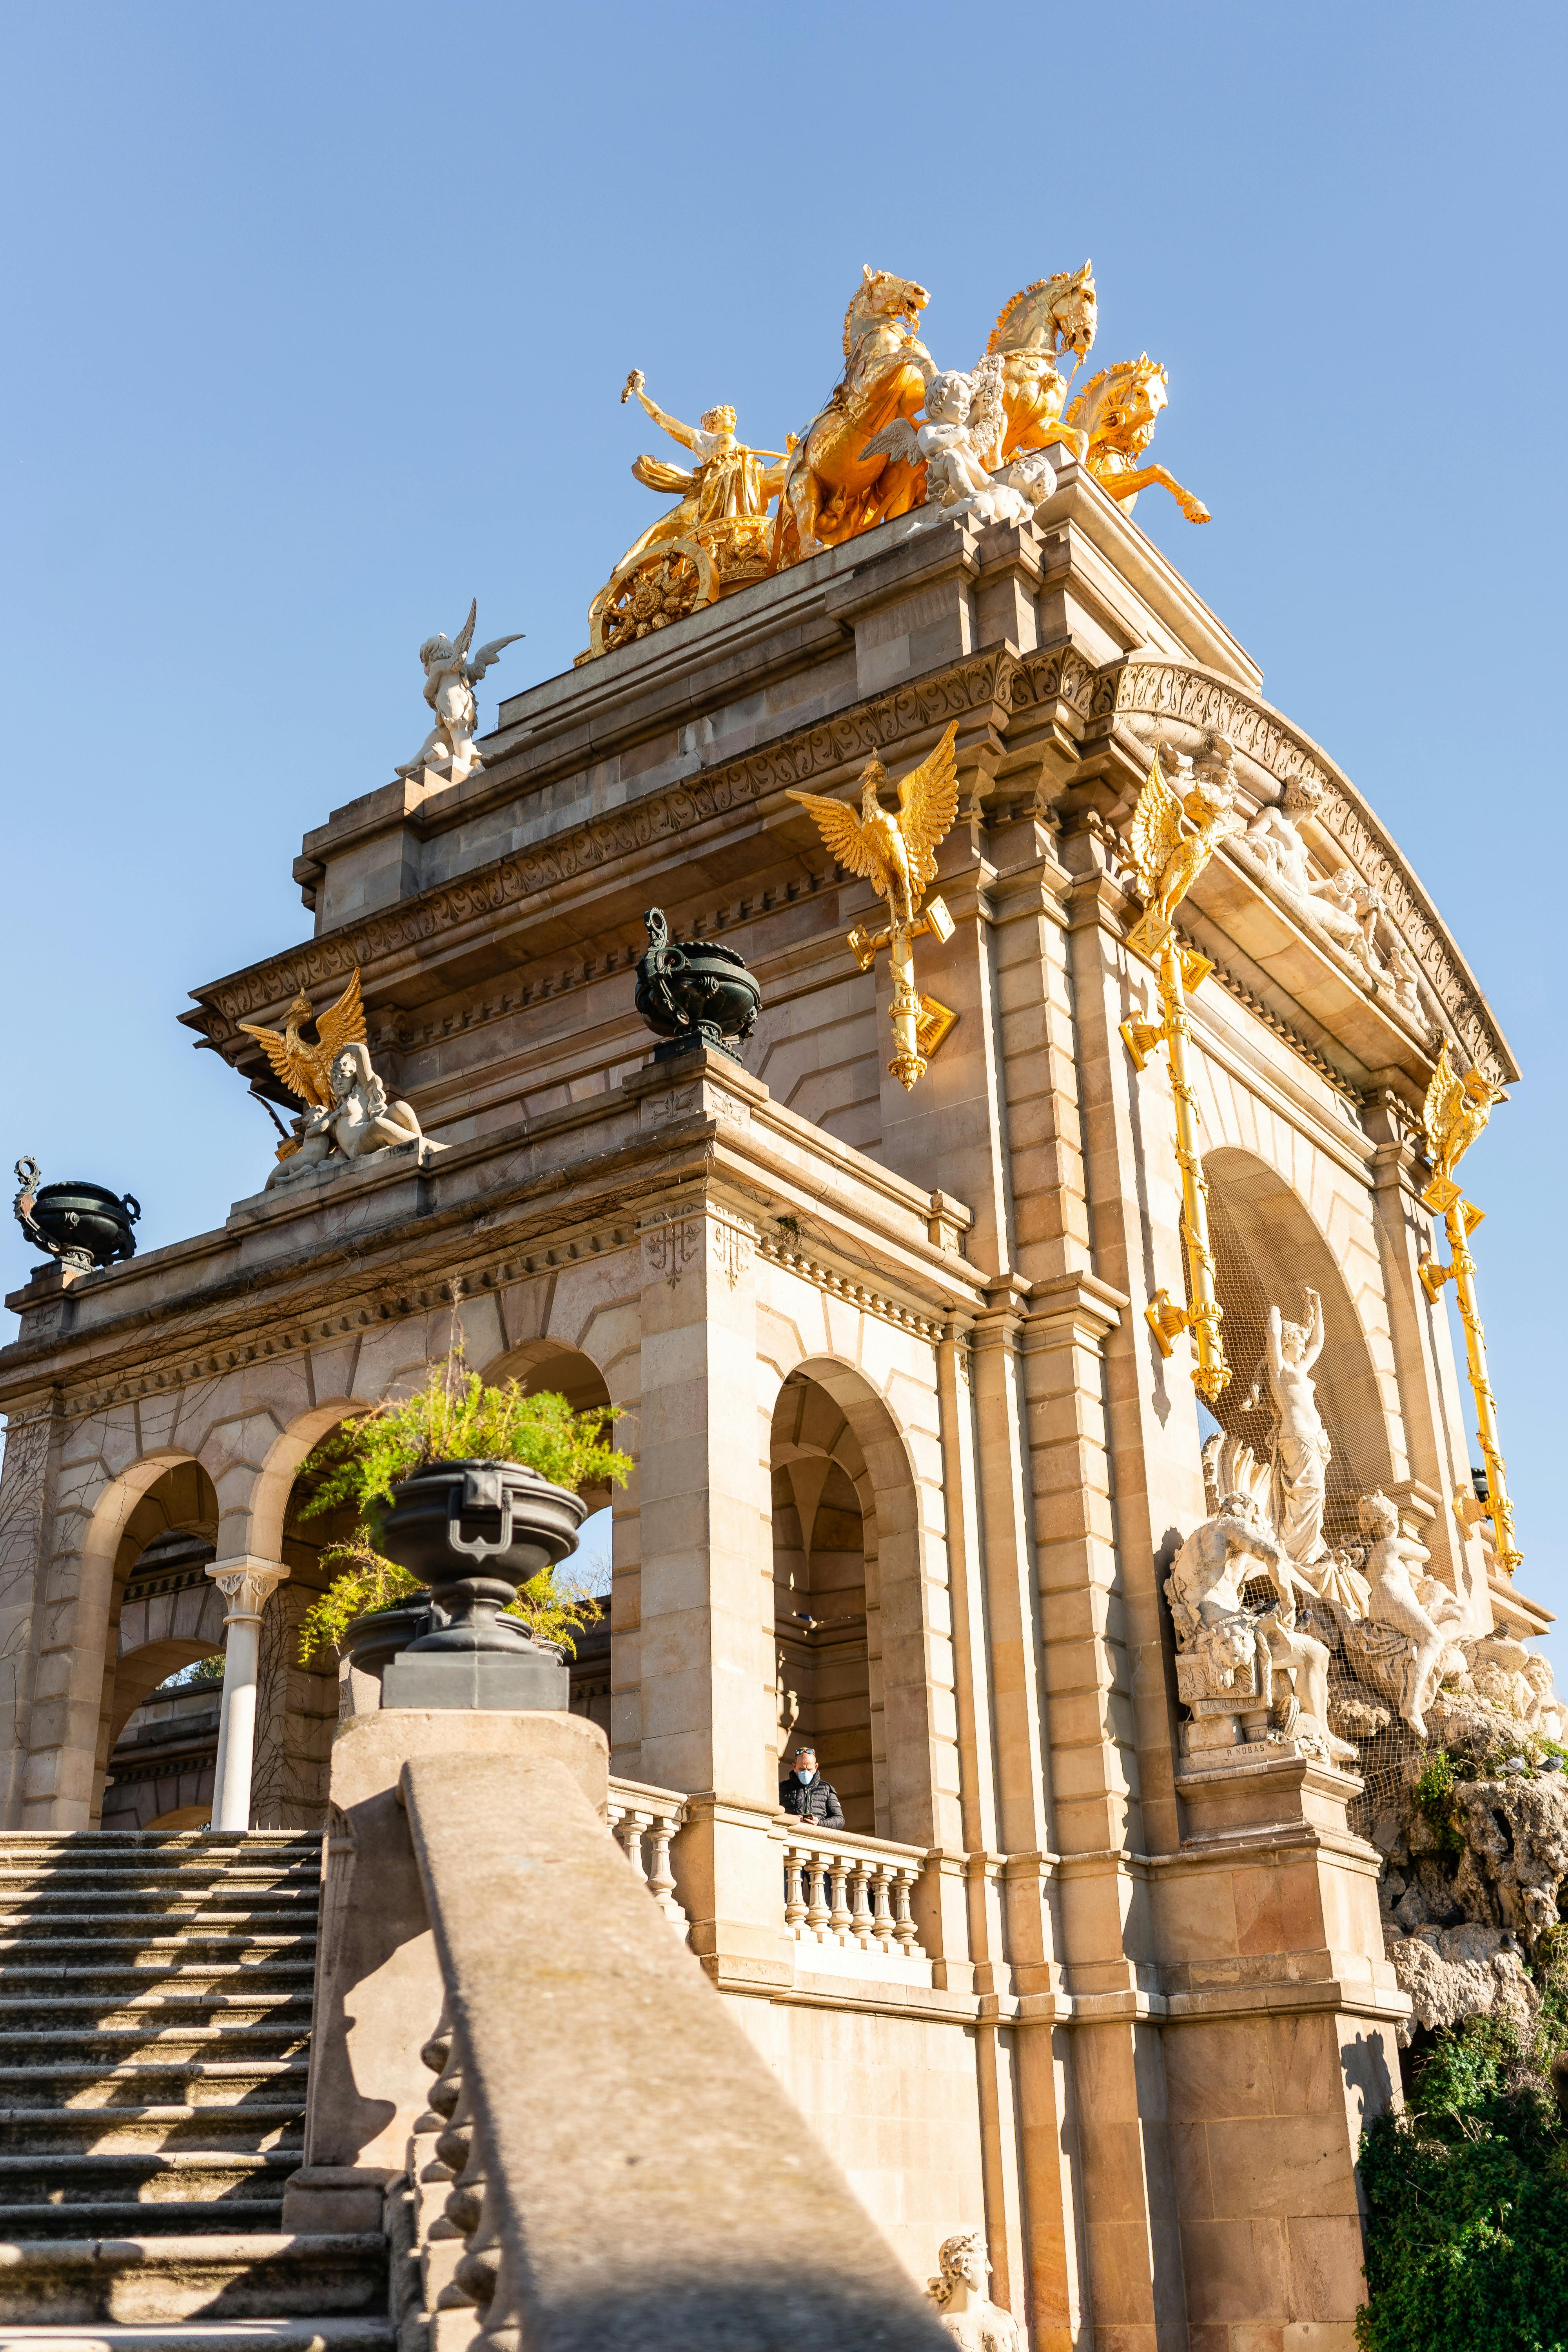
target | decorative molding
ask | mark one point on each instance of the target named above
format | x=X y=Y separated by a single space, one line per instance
x=248 y=1584
x=733 y=1241
x=1197 y=698
x=839 y=1284
x=1280 y=1028
x=670 y=1243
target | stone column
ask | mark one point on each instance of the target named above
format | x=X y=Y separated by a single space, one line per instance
x=248 y=1584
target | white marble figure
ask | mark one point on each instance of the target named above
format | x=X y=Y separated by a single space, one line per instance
x=1304 y=1450
x=968 y=2313
x=1344 y=907
x=1204 y=1588
x=959 y=427
x=450 y=678
x=1397 y=1602
x=358 y=1121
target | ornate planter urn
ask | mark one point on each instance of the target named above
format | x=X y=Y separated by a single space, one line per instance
x=473 y=1531
x=694 y=992
x=369 y=1646
x=84 y=1226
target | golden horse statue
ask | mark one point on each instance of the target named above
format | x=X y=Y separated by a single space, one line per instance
x=1042 y=321
x=832 y=492
x=1115 y=416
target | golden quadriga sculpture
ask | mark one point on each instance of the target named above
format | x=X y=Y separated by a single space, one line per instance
x=1455 y=1112
x=1176 y=827
x=897 y=854
x=852 y=469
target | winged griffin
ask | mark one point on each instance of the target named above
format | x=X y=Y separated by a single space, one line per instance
x=897 y=854
x=347 y=1113
x=450 y=678
x=1176 y=831
x=1456 y=1110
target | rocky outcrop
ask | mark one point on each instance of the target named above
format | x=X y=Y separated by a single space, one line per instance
x=1453 y=1973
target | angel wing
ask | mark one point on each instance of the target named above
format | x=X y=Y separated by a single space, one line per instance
x=294 y=1064
x=928 y=803
x=897 y=440
x=344 y=1025
x=845 y=836
x=655 y=475
x=1444 y=1112
x=473 y=670
x=1155 y=830
x=464 y=636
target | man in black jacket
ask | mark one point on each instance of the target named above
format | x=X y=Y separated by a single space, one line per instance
x=808 y=1796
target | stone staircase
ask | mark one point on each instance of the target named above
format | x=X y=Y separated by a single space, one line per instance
x=155 y=1997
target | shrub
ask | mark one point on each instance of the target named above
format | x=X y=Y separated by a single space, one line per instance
x=1466 y=2195
x=454 y=1417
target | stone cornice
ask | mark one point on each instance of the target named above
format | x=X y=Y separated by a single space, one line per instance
x=989 y=686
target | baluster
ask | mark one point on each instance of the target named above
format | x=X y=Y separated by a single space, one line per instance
x=794 y=1900
x=882 y=1922
x=903 y=1926
x=840 y=1919
x=660 y=1876
x=816 y=1912
x=860 y=1905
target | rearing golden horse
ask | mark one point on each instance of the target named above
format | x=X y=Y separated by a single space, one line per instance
x=831 y=492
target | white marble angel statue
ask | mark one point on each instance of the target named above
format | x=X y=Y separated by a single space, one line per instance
x=1425 y=1613
x=963 y=427
x=450 y=677
x=357 y=1121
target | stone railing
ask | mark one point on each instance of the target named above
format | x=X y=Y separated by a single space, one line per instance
x=849 y=1892
x=607 y=2163
x=644 y=1820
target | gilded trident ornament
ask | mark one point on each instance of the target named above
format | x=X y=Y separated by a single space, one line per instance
x=897 y=854
x=1456 y=1110
x=1172 y=837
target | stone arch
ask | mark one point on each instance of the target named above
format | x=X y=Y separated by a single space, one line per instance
x=1269 y=1247
x=831 y=1430
x=163 y=1494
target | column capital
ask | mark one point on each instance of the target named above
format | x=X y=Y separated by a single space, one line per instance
x=246 y=1583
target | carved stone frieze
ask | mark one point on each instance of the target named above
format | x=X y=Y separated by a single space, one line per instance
x=1176 y=691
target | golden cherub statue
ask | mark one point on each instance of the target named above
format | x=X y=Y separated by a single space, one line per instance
x=347 y=1110
x=897 y=854
x=1456 y=1110
x=1173 y=835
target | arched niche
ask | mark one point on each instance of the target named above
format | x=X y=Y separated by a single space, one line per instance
x=847 y=1555
x=146 y=1508
x=1268 y=1250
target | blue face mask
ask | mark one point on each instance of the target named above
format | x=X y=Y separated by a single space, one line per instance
x=804 y=1772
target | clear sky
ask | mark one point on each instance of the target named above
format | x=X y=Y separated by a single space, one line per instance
x=318 y=319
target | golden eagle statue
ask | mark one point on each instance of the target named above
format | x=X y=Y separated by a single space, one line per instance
x=1172 y=836
x=307 y=1070
x=897 y=854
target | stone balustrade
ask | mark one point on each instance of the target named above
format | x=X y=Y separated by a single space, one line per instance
x=644 y=1820
x=851 y=1892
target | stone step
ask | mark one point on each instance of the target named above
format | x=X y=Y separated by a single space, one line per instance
x=132 y=1932
x=74 y=2085
x=271 y=1972
x=160 y=2279
x=150 y=2046
x=44 y=1897
x=122 y=2216
x=159 y=2126
x=364 y=2335
x=49 y=2179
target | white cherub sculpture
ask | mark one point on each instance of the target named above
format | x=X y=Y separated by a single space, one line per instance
x=450 y=678
x=962 y=413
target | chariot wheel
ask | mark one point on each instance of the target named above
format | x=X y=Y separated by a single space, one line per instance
x=664 y=584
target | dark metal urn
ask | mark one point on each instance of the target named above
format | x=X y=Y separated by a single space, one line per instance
x=84 y=1226
x=694 y=992
x=474 y=1531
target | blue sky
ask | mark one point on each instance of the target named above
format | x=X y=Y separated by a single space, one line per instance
x=319 y=316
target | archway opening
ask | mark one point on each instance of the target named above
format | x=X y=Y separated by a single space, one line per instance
x=824 y=1536
x=165 y=1614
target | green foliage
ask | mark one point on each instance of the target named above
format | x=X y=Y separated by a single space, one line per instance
x=455 y=1418
x=205 y=1670
x=549 y=1609
x=1434 y=1798
x=1466 y=2193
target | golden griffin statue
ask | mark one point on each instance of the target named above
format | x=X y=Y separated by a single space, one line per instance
x=1173 y=836
x=1455 y=1112
x=307 y=1070
x=897 y=854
